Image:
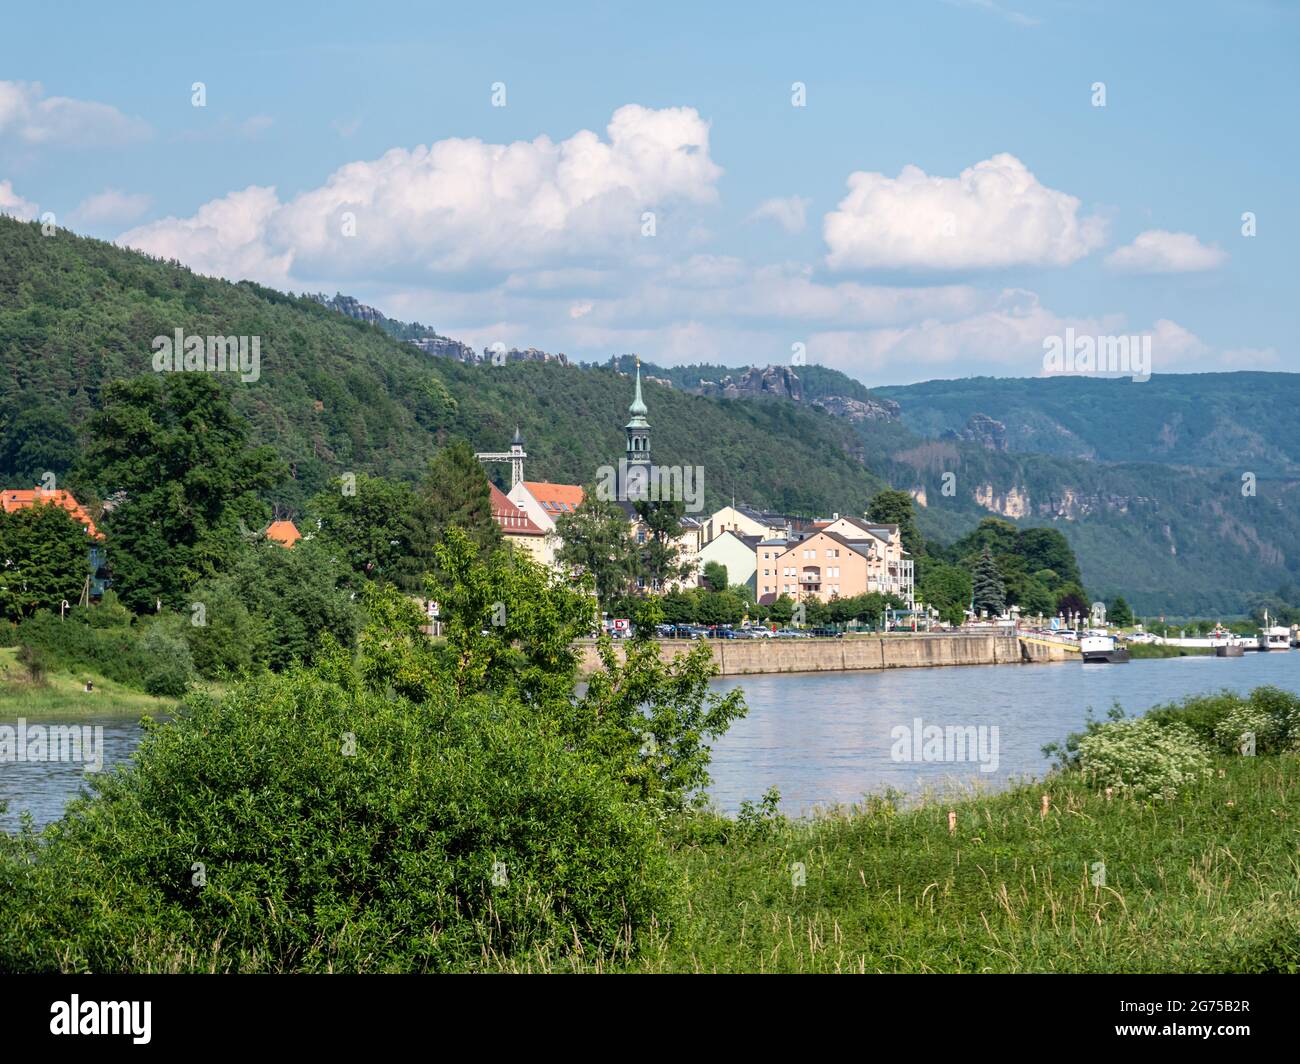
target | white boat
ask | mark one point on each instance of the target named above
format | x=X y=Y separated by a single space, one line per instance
x=1274 y=638
x=1102 y=648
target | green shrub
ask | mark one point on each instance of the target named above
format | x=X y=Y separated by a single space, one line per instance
x=337 y=830
x=170 y=666
x=1143 y=758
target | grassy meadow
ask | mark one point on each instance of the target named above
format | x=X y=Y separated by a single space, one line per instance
x=1207 y=882
x=62 y=694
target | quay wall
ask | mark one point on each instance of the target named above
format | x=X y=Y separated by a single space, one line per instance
x=748 y=657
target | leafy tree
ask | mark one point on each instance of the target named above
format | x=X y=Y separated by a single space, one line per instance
x=893 y=507
x=596 y=540
x=945 y=587
x=1119 y=613
x=658 y=558
x=178 y=456
x=36 y=440
x=454 y=494
x=367 y=525
x=988 y=590
x=43 y=560
x=715 y=576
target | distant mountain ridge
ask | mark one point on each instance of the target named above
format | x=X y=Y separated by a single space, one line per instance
x=1244 y=420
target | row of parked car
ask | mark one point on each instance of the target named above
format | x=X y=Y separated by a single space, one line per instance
x=750 y=631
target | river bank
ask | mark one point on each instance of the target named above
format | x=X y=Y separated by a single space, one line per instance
x=753 y=657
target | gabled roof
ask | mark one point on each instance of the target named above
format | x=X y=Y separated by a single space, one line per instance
x=14 y=499
x=511 y=519
x=283 y=532
x=835 y=537
x=555 y=499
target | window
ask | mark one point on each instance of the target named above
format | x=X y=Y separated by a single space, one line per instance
x=832 y=554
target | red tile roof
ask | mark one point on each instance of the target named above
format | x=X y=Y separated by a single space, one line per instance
x=283 y=532
x=555 y=498
x=13 y=499
x=511 y=519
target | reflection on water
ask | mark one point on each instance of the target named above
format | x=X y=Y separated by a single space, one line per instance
x=825 y=738
x=43 y=788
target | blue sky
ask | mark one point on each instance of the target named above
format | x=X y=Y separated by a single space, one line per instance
x=994 y=205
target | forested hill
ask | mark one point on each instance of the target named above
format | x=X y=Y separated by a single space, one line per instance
x=1241 y=421
x=337 y=394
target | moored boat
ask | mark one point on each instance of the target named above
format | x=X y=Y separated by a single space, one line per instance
x=1102 y=648
x=1230 y=650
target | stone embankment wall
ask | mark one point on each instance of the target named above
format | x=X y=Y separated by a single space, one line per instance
x=748 y=657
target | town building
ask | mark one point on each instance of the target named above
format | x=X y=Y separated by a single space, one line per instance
x=97 y=577
x=517 y=528
x=737 y=553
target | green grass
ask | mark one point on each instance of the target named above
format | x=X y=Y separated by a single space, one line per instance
x=1207 y=882
x=1161 y=650
x=63 y=694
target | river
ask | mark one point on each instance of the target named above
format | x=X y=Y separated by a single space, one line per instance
x=828 y=738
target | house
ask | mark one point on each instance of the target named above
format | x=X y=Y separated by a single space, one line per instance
x=892 y=570
x=747 y=521
x=517 y=528
x=543 y=502
x=737 y=553
x=823 y=565
x=284 y=533
x=14 y=499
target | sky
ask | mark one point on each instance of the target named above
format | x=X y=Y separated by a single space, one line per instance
x=901 y=191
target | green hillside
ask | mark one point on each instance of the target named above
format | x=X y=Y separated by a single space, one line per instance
x=336 y=395
x=1242 y=421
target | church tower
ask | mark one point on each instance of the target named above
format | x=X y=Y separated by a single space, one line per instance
x=636 y=476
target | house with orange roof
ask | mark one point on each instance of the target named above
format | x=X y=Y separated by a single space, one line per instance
x=543 y=503
x=15 y=499
x=517 y=528
x=284 y=533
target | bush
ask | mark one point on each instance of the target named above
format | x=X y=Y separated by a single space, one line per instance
x=34 y=663
x=1143 y=758
x=170 y=667
x=337 y=830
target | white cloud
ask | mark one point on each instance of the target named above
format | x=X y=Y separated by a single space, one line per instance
x=789 y=213
x=111 y=206
x=14 y=205
x=460 y=205
x=994 y=214
x=227 y=237
x=34 y=118
x=1160 y=251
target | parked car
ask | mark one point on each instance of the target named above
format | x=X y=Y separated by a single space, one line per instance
x=825 y=633
x=724 y=633
x=792 y=633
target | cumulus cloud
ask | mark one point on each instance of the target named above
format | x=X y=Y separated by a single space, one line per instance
x=34 y=118
x=458 y=205
x=993 y=214
x=14 y=205
x=227 y=238
x=789 y=213
x=1160 y=251
x=111 y=206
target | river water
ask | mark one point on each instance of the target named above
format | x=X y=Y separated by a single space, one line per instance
x=829 y=738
